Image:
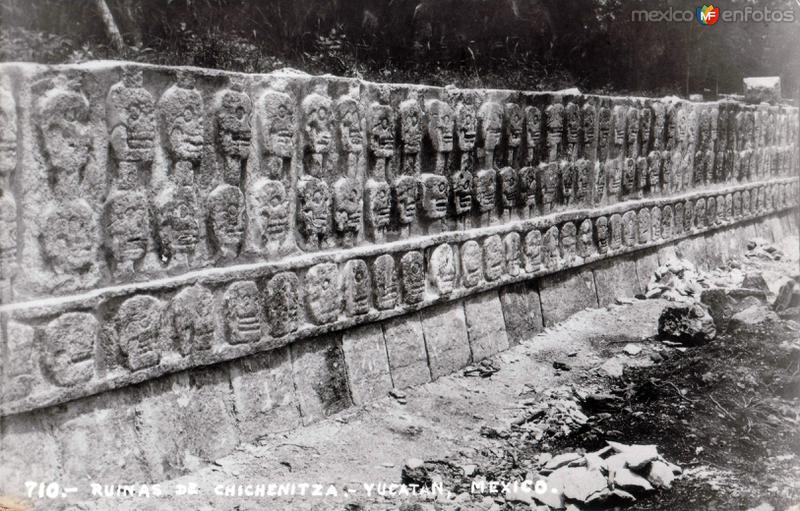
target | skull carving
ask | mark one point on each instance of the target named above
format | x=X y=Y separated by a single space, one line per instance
x=514 y=119
x=493 y=257
x=348 y=114
x=412 y=274
x=127 y=226
x=63 y=119
x=466 y=126
x=405 y=199
x=508 y=187
x=512 y=245
x=601 y=224
x=490 y=115
x=700 y=213
x=233 y=122
x=384 y=278
x=532 y=251
x=379 y=204
x=461 y=185
x=582 y=179
x=181 y=108
x=471 y=264
x=654 y=166
x=130 y=112
x=271 y=210
x=443 y=269
x=643 y=219
x=485 y=183
x=585 y=245
x=616 y=232
x=69 y=344
x=549 y=182
x=677 y=225
x=666 y=222
x=282 y=303
x=381 y=128
x=318 y=122
x=434 y=195
x=554 y=115
x=629 y=228
x=440 y=119
x=277 y=122
x=527 y=186
x=192 y=311
x=226 y=215
x=315 y=211
x=137 y=325
x=568 y=243
x=573 y=115
x=69 y=235
x=410 y=125
x=177 y=215
x=323 y=301
x=347 y=205
x=550 y=254
x=356 y=287
x=8 y=133
x=8 y=236
x=655 y=222
x=589 y=121
x=533 y=130
x=242 y=308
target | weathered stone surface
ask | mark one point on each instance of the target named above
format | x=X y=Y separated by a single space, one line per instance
x=616 y=279
x=724 y=303
x=446 y=338
x=186 y=419
x=485 y=326
x=565 y=294
x=25 y=442
x=367 y=363
x=263 y=394
x=320 y=377
x=689 y=324
x=405 y=344
x=522 y=311
x=646 y=265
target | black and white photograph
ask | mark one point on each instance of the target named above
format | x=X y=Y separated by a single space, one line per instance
x=399 y=255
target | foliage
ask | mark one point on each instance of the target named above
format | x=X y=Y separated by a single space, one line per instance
x=592 y=44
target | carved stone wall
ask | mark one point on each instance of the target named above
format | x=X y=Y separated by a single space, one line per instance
x=156 y=220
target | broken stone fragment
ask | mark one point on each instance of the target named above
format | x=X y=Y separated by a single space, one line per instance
x=687 y=323
x=582 y=484
x=660 y=475
x=784 y=295
x=753 y=315
x=561 y=460
x=624 y=478
x=636 y=457
x=723 y=303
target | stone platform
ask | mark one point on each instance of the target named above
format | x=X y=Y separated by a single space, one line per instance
x=191 y=259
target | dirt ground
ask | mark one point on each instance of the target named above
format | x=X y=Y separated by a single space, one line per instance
x=727 y=412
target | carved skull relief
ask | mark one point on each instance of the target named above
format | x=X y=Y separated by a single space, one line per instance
x=378 y=204
x=443 y=269
x=182 y=118
x=315 y=210
x=137 y=325
x=405 y=199
x=323 y=301
x=512 y=245
x=317 y=123
x=533 y=251
x=234 y=131
x=192 y=316
x=277 y=122
x=485 y=183
x=356 y=287
x=601 y=224
x=130 y=112
x=227 y=219
x=62 y=115
x=655 y=223
x=384 y=282
x=585 y=244
x=550 y=250
x=242 y=307
x=69 y=237
x=347 y=206
x=434 y=195
x=412 y=275
x=69 y=344
x=616 y=232
x=643 y=219
x=283 y=302
x=177 y=221
x=127 y=226
x=490 y=115
x=348 y=114
x=471 y=264
x=8 y=236
x=568 y=243
x=493 y=257
x=271 y=210
x=508 y=187
x=440 y=121
x=461 y=184
x=466 y=126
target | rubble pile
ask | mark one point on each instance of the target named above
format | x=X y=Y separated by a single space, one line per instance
x=759 y=248
x=677 y=281
x=558 y=416
x=614 y=475
x=690 y=324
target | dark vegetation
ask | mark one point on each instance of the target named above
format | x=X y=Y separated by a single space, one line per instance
x=531 y=44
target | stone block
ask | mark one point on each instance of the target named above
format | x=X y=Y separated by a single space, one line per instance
x=27 y=452
x=665 y=253
x=185 y=420
x=616 y=278
x=98 y=439
x=446 y=338
x=485 y=326
x=408 y=358
x=367 y=363
x=320 y=377
x=566 y=293
x=522 y=311
x=263 y=392
x=646 y=265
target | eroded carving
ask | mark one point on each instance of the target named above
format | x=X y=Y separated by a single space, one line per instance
x=356 y=287
x=242 y=307
x=227 y=219
x=412 y=275
x=192 y=320
x=283 y=303
x=323 y=301
x=442 y=272
x=69 y=345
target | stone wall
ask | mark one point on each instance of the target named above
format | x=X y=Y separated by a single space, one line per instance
x=192 y=258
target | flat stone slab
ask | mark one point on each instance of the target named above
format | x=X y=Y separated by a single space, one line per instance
x=522 y=311
x=485 y=326
x=616 y=280
x=320 y=377
x=405 y=344
x=367 y=363
x=263 y=391
x=445 y=331
x=565 y=294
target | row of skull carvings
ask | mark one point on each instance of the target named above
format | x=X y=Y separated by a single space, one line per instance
x=144 y=330
x=587 y=151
